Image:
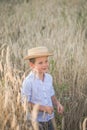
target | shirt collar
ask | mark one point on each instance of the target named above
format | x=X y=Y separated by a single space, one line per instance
x=36 y=76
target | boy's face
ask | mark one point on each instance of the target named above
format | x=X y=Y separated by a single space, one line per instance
x=41 y=65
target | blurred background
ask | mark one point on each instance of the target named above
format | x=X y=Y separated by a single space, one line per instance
x=61 y=25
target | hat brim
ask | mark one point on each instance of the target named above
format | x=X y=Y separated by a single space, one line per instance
x=37 y=56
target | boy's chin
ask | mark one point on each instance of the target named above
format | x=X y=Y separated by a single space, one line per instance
x=45 y=71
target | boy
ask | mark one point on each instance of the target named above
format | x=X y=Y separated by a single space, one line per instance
x=38 y=87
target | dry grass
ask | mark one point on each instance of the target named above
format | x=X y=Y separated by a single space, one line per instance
x=85 y=124
x=62 y=27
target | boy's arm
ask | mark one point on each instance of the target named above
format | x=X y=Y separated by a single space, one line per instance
x=42 y=108
x=56 y=103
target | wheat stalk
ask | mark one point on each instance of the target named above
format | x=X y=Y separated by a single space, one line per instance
x=84 y=125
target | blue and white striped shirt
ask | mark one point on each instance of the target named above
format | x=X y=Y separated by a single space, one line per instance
x=39 y=92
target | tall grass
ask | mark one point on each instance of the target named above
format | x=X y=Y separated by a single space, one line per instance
x=62 y=27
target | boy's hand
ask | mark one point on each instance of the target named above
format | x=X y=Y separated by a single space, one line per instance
x=60 y=108
x=48 y=109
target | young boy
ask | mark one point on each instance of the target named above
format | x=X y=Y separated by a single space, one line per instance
x=38 y=87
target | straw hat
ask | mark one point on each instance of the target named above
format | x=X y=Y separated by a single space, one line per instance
x=38 y=52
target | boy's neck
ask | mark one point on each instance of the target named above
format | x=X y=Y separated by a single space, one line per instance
x=39 y=75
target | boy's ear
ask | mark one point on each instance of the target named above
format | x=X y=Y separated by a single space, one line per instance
x=31 y=64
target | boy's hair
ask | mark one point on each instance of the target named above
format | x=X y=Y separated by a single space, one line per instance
x=32 y=60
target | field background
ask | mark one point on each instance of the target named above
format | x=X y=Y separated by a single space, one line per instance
x=61 y=25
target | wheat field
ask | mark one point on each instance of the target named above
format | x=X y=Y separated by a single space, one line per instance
x=61 y=25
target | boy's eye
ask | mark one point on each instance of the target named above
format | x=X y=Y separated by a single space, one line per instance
x=46 y=61
x=40 y=62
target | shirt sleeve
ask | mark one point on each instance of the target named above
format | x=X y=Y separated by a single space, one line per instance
x=52 y=88
x=26 y=91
